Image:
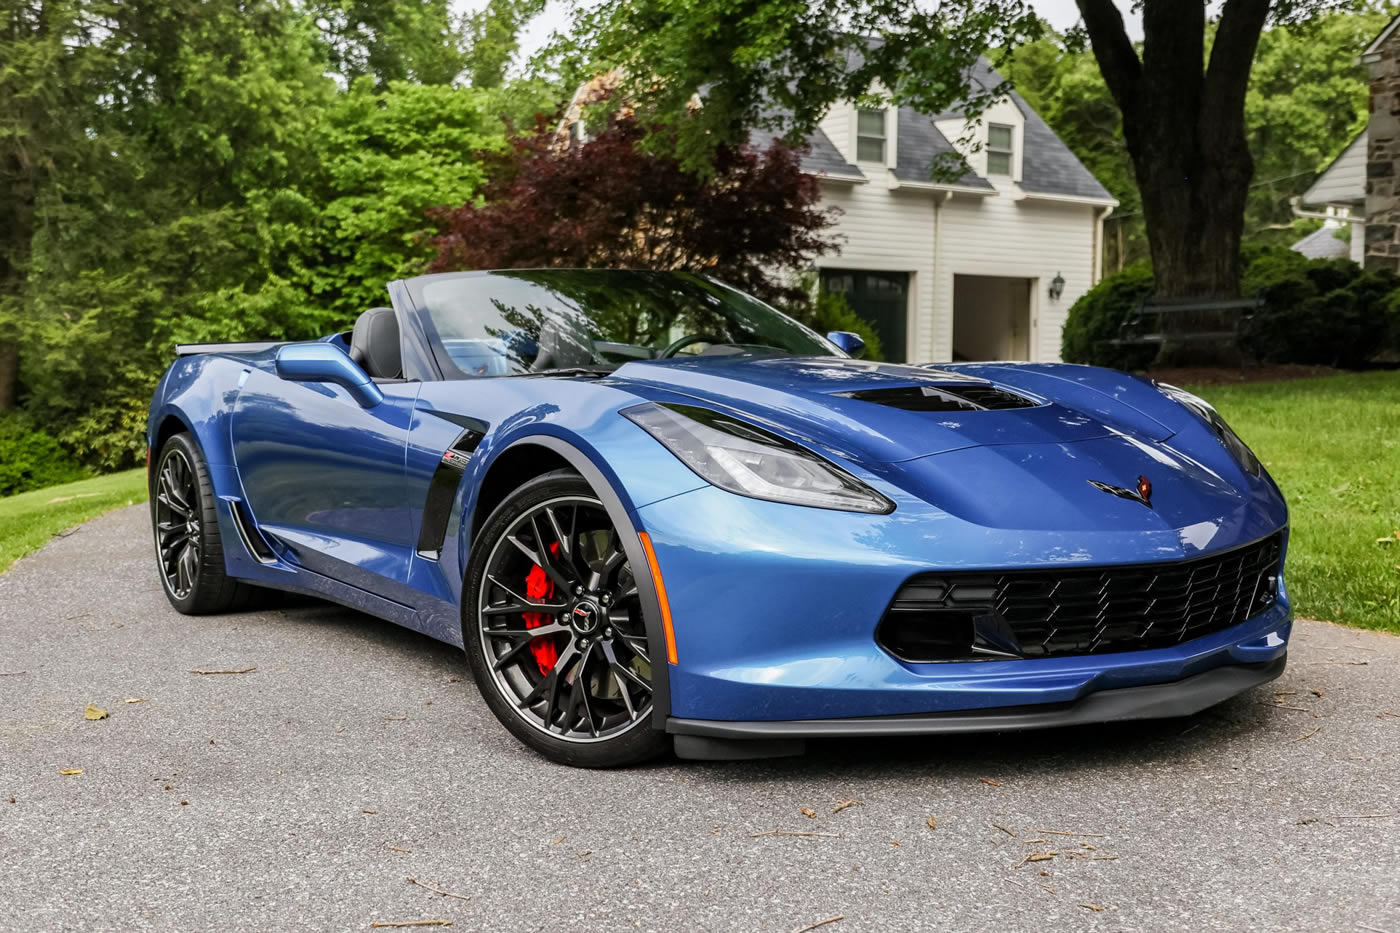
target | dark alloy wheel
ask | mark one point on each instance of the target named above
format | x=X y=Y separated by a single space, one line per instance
x=555 y=630
x=189 y=549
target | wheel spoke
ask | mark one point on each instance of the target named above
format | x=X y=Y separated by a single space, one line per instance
x=179 y=509
x=615 y=559
x=521 y=603
x=185 y=569
x=637 y=644
x=566 y=542
x=551 y=564
x=538 y=557
x=510 y=630
x=511 y=654
x=615 y=667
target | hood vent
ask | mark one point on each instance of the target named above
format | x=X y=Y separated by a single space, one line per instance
x=943 y=398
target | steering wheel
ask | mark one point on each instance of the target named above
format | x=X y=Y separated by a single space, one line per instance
x=686 y=341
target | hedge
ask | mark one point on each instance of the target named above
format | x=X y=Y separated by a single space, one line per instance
x=31 y=459
x=1316 y=311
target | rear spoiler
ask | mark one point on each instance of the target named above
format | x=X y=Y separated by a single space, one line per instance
x=198 y=349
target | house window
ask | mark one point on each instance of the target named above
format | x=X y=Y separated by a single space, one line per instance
x=999 y=149
x=870 y=136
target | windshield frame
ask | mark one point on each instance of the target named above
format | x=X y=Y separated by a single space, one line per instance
x=449 y=370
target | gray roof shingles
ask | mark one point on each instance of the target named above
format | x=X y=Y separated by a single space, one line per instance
x=822 y=157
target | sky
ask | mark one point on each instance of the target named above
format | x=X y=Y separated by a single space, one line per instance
x=1061 y=14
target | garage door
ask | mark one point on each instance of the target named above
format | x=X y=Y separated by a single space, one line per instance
x=881 y=298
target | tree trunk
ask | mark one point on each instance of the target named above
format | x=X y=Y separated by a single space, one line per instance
x=1194 y=208
x=1183 y=122
x=9 y=375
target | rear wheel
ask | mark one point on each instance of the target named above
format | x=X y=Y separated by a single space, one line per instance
x=189 y=549
x=554 y=629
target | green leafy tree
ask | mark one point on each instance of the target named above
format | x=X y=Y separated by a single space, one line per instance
x=494 y=38
x=392 y=40
x=331 y=242
x=51 y=64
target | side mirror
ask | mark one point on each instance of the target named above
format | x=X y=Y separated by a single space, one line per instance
x=324 y=362
x=847 y=341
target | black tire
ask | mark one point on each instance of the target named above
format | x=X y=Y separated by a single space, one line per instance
x=185 y=526
x=606 y=723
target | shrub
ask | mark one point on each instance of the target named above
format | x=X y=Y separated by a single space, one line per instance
x=31 y=459
x=1096 y=318
x=831 y=311
x=1316 y=311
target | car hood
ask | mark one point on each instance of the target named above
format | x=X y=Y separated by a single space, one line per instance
x=881 y=412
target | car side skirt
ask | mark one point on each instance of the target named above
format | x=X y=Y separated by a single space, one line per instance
x=717 y=740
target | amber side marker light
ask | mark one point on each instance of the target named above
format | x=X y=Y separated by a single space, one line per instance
x=660 y=597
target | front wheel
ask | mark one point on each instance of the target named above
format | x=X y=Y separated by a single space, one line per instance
x=554 y=630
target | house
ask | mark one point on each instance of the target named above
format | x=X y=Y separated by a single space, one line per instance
x=984 y=267
x=1360 y=186
x=1338 y=198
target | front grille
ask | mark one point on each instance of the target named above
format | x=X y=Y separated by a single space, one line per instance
x=1061 y=612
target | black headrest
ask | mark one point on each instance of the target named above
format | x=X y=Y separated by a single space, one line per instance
x=374 y=344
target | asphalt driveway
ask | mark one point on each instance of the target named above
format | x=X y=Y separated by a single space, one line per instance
x=305 y=793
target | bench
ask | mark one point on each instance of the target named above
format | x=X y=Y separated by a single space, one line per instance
x=1161 y=321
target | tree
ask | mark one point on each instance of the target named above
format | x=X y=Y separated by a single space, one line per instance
x=51 y=58
x=784 y=62
x=606 y=202
x=1063 y=84
x=392 y=40
x=494 y=36
x=1307 y=99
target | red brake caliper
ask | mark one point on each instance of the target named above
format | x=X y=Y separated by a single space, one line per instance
x=539 y=586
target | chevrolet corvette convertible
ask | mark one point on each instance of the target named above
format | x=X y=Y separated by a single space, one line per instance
x=656 y=513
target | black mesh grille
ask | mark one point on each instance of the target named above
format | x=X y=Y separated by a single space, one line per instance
x=1053 y=613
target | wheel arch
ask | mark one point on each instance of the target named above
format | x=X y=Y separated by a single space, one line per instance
x=537 y=454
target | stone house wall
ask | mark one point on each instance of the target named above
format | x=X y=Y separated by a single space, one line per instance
x=1383 y=156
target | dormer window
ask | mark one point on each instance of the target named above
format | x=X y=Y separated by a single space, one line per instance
x=870 y=136
x=1000 y=149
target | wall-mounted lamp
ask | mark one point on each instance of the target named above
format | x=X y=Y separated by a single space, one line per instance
x=1057 y=287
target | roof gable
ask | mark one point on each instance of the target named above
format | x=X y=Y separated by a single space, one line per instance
x=1344 y=181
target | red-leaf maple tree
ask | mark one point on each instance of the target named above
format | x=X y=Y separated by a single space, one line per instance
x=751 y=220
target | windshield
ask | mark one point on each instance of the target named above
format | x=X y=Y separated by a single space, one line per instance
x=530 y=321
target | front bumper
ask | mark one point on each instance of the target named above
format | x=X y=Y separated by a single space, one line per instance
x=775 y=609
x=709 y=739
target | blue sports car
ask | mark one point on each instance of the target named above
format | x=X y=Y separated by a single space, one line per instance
x=657 y=513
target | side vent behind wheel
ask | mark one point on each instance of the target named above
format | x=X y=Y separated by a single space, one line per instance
x=248 y=532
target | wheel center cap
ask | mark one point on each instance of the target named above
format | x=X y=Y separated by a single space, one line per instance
x=585 y=616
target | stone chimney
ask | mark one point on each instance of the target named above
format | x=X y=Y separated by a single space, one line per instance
x=1383 y=152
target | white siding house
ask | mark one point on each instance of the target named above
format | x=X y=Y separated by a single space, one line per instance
x=1339 y=196
x=959 y=269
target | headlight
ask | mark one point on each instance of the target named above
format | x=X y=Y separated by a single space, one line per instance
x=747 y=460
x=1203 y=410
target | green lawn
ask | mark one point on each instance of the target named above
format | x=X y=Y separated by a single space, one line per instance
x=1333 y=445
x=30 y=519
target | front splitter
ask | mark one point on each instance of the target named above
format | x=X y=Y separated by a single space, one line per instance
x=726 y=740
